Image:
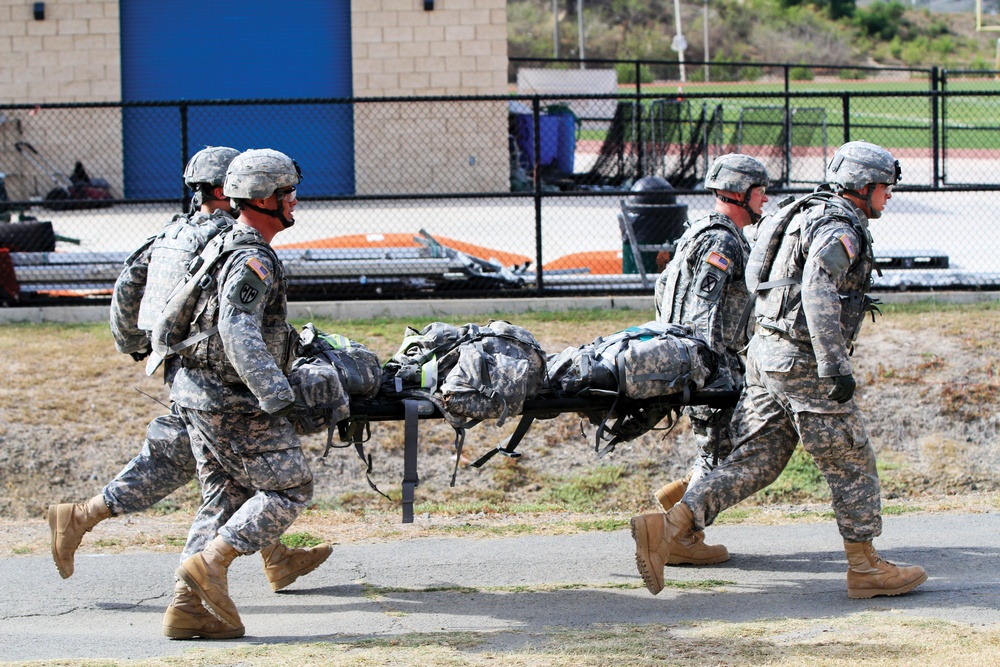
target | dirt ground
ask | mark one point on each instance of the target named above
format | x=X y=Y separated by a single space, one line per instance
x=70 y=419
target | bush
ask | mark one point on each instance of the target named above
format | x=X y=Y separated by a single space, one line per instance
x=851 y=74
x=881 y=19
x=800 y=73
x=752 y=73
x=626 y=73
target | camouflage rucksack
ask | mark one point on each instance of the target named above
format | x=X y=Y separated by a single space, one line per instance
x=652 y=359
x=330 y=370
x=171 y=252
x=642 y=362
x=470 y=373
x=171 y=329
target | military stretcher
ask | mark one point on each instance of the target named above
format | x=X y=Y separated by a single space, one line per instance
x=618 y=419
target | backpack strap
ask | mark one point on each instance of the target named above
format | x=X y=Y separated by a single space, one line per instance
x=411 y=416
x=507 y=446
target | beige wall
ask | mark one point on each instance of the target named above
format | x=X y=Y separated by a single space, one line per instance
x=401 y=50
x=398 y=49
x=73 y=55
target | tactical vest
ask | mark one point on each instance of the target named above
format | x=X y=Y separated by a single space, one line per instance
x=776 y=263
x=171 y=252
x=678 y=280
x=190 y=317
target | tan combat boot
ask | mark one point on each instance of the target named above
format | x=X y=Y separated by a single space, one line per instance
x=671 y=494
x=690 y=549
x=205 y=574
x=68 y=523
x=653 y=535
x=283 y=565
x=187 y=618
x=869 y=576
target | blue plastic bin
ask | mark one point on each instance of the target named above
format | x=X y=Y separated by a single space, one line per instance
x=557 y=141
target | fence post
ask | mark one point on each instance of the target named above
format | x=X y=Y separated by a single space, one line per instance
x=845 y=106
x=185 y=195
x=937 y=109
x=640 y=152
x=536 y=112
x=788 y=132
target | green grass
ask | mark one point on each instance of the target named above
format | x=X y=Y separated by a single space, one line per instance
x=800 y=481
x=587 y=491
x=903 y=121
x=300 y=540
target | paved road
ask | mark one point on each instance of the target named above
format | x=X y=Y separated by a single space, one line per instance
x=112 y=607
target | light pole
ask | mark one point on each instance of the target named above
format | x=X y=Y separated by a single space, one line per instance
x=705 y=20
x=679 y=44
x=555 y=28
x=579 y=23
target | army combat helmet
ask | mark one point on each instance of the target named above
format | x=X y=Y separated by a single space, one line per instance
x=206 y=170
x=258 y=174
x=736 y=172
x=859 y=163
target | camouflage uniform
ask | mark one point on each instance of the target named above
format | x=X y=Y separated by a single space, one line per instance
x=254 y=475
x=703 y=286
x=165 y=463
x=804 y=338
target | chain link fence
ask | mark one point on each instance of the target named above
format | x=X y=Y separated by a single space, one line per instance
x=518 y=195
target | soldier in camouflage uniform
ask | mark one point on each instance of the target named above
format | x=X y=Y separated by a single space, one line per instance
x=703 y=286
x=232 y=391
x=814 y=269
x=165 y=462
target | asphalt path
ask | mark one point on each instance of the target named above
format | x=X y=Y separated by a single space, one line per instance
x=113 y=605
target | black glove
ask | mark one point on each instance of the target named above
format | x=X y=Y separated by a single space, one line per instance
x=141 y=354
x=843 y=388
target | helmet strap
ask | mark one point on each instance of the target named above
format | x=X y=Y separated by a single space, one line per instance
x=278 y=213
x=867 y=198
x=745 y=204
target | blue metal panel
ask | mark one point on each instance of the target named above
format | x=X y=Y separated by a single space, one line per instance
x=260 y=49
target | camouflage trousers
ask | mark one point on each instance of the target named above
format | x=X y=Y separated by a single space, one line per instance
x=711 y=432
x=768 y=424
x=164 y=464
x=254 y=477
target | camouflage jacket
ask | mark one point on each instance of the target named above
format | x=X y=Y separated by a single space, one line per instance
x=703 y=285
x=826 y=252
x=243 y=367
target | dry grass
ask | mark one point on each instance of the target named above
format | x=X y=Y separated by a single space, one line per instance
x=871 y=638
x=70 y=418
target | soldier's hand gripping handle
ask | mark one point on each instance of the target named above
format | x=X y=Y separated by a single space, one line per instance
x=843 y=388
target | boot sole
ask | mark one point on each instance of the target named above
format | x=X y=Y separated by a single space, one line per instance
x=192 y=583
x=289 y=579
x=54 y=529
x=188 y=633
x=865 y=593
x=641 y=558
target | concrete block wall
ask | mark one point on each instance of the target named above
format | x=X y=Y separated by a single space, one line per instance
x=72 y=55
x=399 y=49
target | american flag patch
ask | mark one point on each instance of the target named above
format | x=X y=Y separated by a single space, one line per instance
x=718 y=261
x=848 y=246
x=255 y=265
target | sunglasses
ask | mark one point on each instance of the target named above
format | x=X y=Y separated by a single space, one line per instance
x=281 y=194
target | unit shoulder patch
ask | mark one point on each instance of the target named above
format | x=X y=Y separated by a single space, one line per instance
x=251 y=287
